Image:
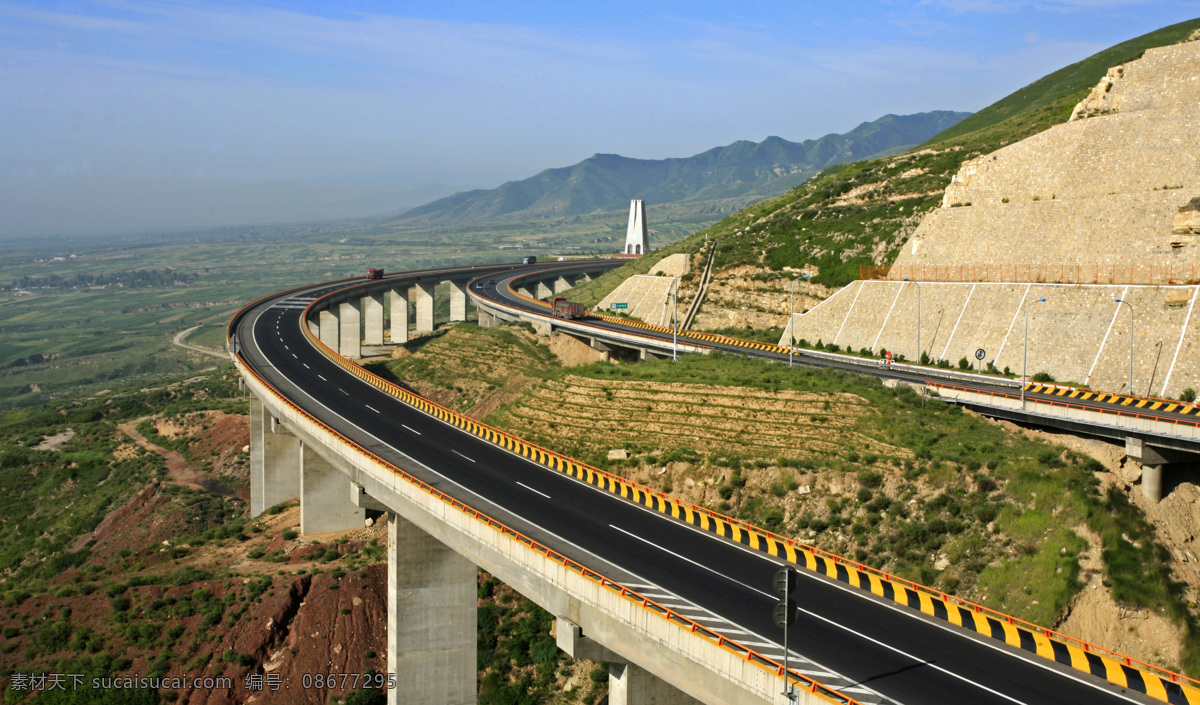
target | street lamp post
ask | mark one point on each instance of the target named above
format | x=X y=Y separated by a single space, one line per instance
x=792 y=317
x=1025 y=358
x=675 y=327
x=1123 y=301
x=910 y=281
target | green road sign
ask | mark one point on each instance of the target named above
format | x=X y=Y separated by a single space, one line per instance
x=618 y=307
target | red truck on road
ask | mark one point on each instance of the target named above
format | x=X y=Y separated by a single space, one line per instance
x=374 y=273
x=567 y=309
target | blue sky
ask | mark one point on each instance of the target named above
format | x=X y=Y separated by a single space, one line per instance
x=145 y=114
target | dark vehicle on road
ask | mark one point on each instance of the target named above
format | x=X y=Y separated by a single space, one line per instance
x=374 y=273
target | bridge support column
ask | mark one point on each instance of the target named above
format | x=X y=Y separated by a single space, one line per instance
x=544 y=289
x=630 y=684
x=372 y=309
x=274 y=461
x=431 y=619
x=582 y=278
x=1152 y=462
x=350 y=319
x=525 y=291
x=330 y=333
x=398 y=300
x=325 y=504
x=458 y=301
x=487 y=320
x=423 y=294
x=314 y=325
x=561 y=284
x=1152 y=482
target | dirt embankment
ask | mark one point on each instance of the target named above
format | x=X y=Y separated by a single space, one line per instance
x=755 y=298
x=1093 y=614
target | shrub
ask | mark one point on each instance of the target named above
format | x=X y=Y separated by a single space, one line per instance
x=1043 y=377
x=964 y=363
x=290 y=534
x=1188 y=395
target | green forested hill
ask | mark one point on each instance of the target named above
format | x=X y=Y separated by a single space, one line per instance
x=860 y=213
x=606 y=182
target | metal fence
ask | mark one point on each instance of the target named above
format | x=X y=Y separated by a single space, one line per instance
x=1133 y=274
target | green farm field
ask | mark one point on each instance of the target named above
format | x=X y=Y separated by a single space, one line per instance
x=61 y=332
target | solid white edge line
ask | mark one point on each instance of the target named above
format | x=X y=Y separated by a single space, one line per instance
x=719 y=620
x=522 y=484
x=923 y=662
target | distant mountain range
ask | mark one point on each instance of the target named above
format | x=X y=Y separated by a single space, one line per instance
x=606 y=182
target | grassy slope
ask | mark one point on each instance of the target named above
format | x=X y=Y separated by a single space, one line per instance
x=1069 y=80
x=833 y=459
x=95 y=610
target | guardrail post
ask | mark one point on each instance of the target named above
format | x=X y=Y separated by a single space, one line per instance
x=372 y=308
x=398 y=301
x=431 y=619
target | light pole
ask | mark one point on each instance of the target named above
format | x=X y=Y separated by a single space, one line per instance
x=910 y=281
x=675 y=327
x=1123 y=301
x=1025 y=359
x=792 y=317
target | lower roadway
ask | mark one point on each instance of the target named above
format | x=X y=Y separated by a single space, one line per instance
x=496 y=289
x=894 y=651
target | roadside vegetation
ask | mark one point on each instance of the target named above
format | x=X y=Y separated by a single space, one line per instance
x=928 y=492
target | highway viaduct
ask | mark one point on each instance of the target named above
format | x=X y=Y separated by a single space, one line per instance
x=675 y=597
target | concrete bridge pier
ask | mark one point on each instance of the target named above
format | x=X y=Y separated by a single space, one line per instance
x=398 y=301
x=544 y=289
x=1153 y=461
x=274 y=460
x=423 y=294
x=330 y=332
x=487 y=320
x=372 y=311
x=458 y=301
x=562 y=284
x=325 y=504
x=525 y=291
x=431 y=632
x=628 y=683
x=350 y=320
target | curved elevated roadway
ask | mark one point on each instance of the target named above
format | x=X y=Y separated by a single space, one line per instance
x=873 y=649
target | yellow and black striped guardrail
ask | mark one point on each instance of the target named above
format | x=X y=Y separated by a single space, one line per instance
x=1083 y=394
x=694 y=335
x=798 y=680
x=1121 y=670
